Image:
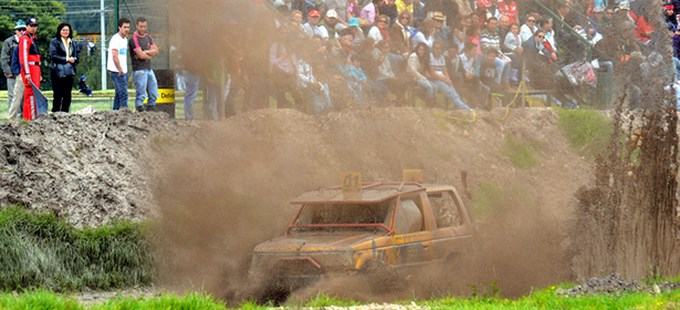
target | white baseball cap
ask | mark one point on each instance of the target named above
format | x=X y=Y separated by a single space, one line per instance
x=332 y=13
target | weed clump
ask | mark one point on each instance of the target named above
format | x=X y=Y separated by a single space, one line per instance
x=42 y=251
x=587 y=130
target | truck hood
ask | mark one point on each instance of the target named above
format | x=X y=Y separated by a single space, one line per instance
x=315 y=241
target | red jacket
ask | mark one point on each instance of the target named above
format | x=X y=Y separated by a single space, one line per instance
x=29 y=53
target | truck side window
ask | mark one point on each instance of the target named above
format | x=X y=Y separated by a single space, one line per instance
x=445 y=209
x=409 y=218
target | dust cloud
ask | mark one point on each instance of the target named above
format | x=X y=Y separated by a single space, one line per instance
x=226 y=188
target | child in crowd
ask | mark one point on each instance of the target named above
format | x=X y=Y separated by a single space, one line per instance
x=82 y=86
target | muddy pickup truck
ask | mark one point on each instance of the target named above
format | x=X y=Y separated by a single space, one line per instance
x=391 y=226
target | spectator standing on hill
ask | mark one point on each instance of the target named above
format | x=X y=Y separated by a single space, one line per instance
x=64 y=56
x=143 y=50
x=29 y=56
x=8 y=47
x=117 y=64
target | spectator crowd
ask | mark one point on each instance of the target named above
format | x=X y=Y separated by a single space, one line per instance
x=331 y=54
x=21 y=64
x=335 y=53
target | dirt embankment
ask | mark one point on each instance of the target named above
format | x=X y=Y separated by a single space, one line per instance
x=89 y=169
x=220 y=188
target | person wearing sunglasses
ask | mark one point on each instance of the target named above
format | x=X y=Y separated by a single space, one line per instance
x=379 y=30
x=530 y=26
x=538 y=58
x=400 y=34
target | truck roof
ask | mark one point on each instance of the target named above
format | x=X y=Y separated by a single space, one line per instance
x=370 y=193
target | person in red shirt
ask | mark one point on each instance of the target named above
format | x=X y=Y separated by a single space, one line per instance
x=29 y=57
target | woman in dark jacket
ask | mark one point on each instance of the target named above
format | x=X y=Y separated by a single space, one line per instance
x=64 y=60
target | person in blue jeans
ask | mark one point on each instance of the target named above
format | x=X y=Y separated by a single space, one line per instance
x=117 y=64
x=192 y=84
x=143 y=50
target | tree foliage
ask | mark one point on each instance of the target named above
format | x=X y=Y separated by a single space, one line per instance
x=49 y=14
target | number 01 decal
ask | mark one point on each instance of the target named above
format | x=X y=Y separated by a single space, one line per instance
x=351 y=181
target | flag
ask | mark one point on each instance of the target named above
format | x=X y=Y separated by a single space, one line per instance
x=41 y=104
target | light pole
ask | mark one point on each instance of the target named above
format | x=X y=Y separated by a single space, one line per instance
x=102 y=26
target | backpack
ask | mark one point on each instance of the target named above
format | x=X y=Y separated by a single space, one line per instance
x=15 y=64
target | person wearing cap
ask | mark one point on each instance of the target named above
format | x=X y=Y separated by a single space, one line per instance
x=117 y=64
x=441 y=33
x=669 y=12
x=29 y=56
x=313 y=28
x=7 y=48
x=333 y=24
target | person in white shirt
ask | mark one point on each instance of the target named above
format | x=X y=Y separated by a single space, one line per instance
x=117 y=64
x=527 y=30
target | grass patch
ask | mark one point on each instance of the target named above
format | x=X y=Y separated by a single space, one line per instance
x=587 y=130
x=42 y=251
x=541 y=299
x=192 y=301
x=521 y=154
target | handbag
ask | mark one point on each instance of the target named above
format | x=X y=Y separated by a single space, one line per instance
x=65 y=70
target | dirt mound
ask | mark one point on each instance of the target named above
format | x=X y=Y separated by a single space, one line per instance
x=88 y=169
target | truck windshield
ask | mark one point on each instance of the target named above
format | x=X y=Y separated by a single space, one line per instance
x=344 y=215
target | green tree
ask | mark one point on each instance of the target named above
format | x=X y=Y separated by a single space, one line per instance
x=49 y=14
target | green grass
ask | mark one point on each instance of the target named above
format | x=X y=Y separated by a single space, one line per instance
x=587 y=130
x=521 y=154
x=42 y=251
x=547 y=298
x=103 y=101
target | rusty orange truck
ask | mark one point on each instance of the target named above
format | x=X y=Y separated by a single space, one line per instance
x=388 y=225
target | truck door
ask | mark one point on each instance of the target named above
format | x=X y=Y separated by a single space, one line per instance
x=453 y=233
x=411 y=243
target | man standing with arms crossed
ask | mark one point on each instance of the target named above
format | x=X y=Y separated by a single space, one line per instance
x=143 y=49
x=7 y=49
x=117 y=64
x=29 y=56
